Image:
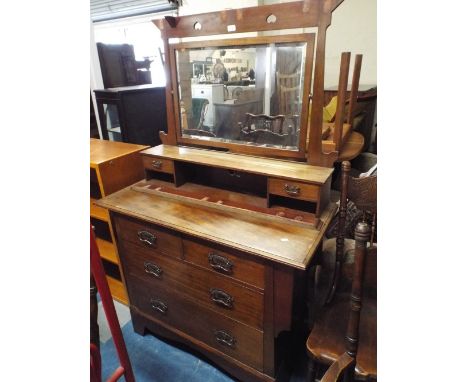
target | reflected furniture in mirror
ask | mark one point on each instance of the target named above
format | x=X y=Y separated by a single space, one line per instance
x=132 y=114
x=218 y=240
x=232 y=94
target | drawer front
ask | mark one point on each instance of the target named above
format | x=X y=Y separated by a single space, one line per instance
x=217 y=331
x=210 y=289
x=296 y=190
x=146 y=235
x=224 y=263
x=158 y=164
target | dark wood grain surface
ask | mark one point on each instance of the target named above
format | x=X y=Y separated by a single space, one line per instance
x=210 y=289
x=287 y=244
x=199 y=322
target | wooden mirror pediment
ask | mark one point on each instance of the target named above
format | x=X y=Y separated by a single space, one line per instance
x=229 y=94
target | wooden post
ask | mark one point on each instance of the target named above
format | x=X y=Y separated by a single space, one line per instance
x=342 y=90
x=354 y=88
x=361 y=236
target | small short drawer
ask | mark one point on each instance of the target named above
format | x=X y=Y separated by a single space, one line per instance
x=158 y=164
x=215 y=330
x=212 y=290
x=148 y=236
x=293 y=189
x=224 y=263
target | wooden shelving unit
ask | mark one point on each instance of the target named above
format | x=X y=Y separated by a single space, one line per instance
x=113 y=166
x=98 y=212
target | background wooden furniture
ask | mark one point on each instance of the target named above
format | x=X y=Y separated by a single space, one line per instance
x=353 y=146
x=113 y=165
x=327 y=340
x=363 y=110
x=227 y=240
x=135 y=114
x=119 y=66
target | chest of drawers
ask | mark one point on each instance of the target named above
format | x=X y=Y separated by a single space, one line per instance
x=221 y=271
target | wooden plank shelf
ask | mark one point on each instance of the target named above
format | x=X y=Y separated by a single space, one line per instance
x=107 y=251
x=256 y=165
x=117 y=290
x=98 y=212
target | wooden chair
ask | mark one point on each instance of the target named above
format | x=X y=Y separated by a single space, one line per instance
x=363 y=193
x=272 y=123
x=289 y=100
x=288 y=89
x=265 y=129
x=344 y=332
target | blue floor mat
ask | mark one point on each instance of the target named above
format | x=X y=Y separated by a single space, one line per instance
x=154 y=360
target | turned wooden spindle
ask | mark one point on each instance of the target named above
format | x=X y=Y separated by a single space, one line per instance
x=340 y=237
x=362 y=236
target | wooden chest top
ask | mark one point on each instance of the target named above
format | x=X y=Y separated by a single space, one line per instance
x=103 y=151
x=289 y=244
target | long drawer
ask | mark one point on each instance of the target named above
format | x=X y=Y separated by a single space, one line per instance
x=215 y=291
x=148 y=236
x=222 y=262
x=217 y=331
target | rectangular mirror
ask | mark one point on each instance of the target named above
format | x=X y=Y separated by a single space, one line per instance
x=251 y=92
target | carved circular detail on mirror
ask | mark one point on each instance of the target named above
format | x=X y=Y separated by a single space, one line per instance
x=271 y=19
x=197 y=26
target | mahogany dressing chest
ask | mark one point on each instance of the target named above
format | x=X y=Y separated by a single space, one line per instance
x=216 y=242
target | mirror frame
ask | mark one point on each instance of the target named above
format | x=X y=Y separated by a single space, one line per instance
x=289 y=15
x=238 y=146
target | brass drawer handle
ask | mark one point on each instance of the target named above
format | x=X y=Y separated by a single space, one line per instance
x=157 y=164
x=220 y=297
x=153 y=269
x=147 y=237
x=291 y=189
x=220 y=263
x=225 y=338
x=158 y=305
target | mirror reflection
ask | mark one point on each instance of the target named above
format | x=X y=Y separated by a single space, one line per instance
x=242 y=94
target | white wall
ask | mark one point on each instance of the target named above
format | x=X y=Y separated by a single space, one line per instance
x=353 y=29
x=191 y=7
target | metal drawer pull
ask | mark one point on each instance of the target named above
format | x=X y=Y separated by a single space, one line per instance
x=153 y=269
x=157 y=164
x=292 y=189
x=158 y=305
x=220 y=263
x=220 y=297
x=225 y=338
x=147 y=237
